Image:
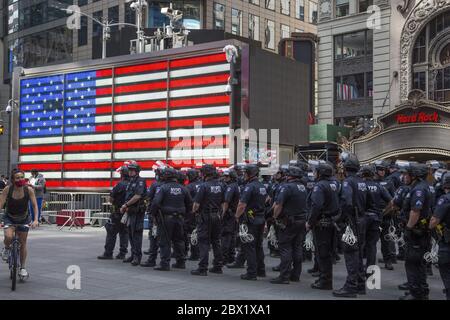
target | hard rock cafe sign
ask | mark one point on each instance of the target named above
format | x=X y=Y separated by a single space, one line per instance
x=415 y=126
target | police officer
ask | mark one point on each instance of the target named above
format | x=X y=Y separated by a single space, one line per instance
x=114 y=226
x=134 y=207
x=171 y=203
x=208 y=208
x=290 y=209
x=353 y=201
x=376 y=197
x=441 y=216
x=239 y=261
x=324 y=204
x=229 y=208
x=154 y=239
x=387 y=246
x=417 y=237
x=193 y=186
x=251 y=210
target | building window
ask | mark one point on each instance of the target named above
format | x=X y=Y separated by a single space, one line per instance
x=342 y=8
x=270 y=34
x=338 y=47
x=255 y=2
x=369 y=81
x=351 y=45
x=97 y=28
x=191 y=14
x=354 y=86
x=270 y=4
x=253 y=27
x=190 y=9
x=285 y=7
x=13 y=14
x=285 y=31
x=42 y=48
x=442 y=84
x=113 y=16
x=313 y=12
x=82 y=32
x=300 y=9
x=130 y=15
x=236 y=22
x=419 y=50
x=82 y=2
x=219 y=16
x=364 y=5
x=420 y=82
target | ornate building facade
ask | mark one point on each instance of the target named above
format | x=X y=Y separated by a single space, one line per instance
x=387 y=62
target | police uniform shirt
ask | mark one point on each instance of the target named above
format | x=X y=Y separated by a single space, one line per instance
x=324 y=199
x=171 y=198
x=254 y=196
x=118 y=193
x=136 y=186
x=354 y=194
x=210 y=195
x=193 y=188
x=377 y=196
x=400 y=196
x=442 y=210
x=292 y=197
x=232 y=195
x=386 y=183
x=419 y=199
x=152 y=190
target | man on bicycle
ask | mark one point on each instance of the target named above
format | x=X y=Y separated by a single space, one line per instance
x=16 y=197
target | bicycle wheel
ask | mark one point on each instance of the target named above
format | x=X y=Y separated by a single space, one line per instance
x=14 y=264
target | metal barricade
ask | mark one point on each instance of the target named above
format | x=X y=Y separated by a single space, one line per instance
x=73 y=203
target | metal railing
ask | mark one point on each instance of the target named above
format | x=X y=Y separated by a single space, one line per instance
x=90 y=206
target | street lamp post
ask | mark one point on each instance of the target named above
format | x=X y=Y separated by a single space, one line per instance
x=138 y=6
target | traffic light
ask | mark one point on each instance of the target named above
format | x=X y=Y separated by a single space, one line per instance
x=1 y=129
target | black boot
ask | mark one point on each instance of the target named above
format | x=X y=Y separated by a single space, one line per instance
x=322 y=286
x=120 y=256
x=198 y=272
x=261 y=273
x=279 y=280
x=388 y=266
x=148 y=264
x=128 y=260
x=403 y=286
x=105 y=256
x=162 y=268
x=235 y=266
x=294 y=278
x=217 y=270
x=246 y=276
x=344 y=293
x=135 y=262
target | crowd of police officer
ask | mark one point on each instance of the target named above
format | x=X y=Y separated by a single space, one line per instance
x=344 y=209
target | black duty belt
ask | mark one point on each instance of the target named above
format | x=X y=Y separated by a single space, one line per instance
x=297 y=217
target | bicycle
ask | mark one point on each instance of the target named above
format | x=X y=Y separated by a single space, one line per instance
x=13 y=258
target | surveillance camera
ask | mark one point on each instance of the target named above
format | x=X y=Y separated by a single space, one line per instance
x=228 y=89
x=8 y=108
x=166 y=11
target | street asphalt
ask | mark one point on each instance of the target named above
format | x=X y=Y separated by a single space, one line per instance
x=52 y=252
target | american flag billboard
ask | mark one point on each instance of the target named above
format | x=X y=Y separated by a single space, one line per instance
x=77 y=128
